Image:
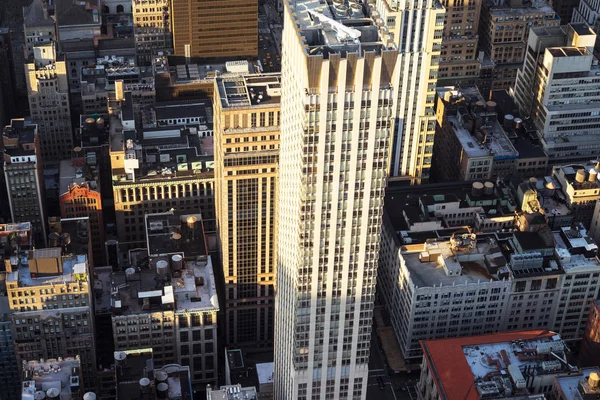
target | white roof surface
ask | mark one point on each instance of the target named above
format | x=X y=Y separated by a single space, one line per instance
x=265 y=373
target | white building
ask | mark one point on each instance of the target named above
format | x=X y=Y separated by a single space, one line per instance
x=588 y=11
x=579 y=287
x=439 y=287
x=442 y=289
x=566 y=91
x=416 y=28
x=337 y=99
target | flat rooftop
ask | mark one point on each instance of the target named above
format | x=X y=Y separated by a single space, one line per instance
x=440 y=262
x=185 y=109
x=73 y=268
x=461 y=365
x=569 y=384
x=533 y=6
x=496 y=144
x=568 y=51
x=249 y=90
x=73 y=175
x=314 y=23
x=175 y=232
x=232 y=392
x=147 y=290
x=56 y=375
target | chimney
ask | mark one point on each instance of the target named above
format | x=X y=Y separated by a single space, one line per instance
x=7 y=265
x=188 y=53
x=119 y=90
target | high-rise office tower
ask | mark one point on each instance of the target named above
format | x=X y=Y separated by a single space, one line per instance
x=414 y=81
x=247 y=116
x=337 y=98
x=226 y=29
x=152 y=28
x=48 y=92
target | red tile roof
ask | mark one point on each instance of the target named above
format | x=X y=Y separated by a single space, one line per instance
x=449 y=368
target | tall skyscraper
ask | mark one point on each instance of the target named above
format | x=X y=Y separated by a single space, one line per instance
x=247 y=116
x=228 y=28
x=414 y=81
x=337 y=98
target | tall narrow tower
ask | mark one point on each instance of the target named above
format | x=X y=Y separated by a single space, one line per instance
x=337 y=99
x=417 y=29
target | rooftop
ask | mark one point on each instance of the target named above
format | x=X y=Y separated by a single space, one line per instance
x=135 y=368
x=19 y=138
x=340 y=27
x=167 y=152
x=33 y=15
x=81 y=12
x=249 y=90
x=568 y=51
x=520 y=8
x=475 y=125
x=170 y=283
x=172 y=232
x=175 y=110
x=232 y=392
x=265 y=373
x=179 y=70
x=411 y=205
x=578 y=177
x=55 y=377
x=71 y=175
x=461 y=260
x=573 y=386
x=235 y=359
x=73 y=269
x=468 y=368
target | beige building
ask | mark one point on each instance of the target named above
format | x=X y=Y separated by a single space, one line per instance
x=459 y=61
x=503 y=33
x=247 y=118
x=339 y=92
x=51 y=311
x=152 y=28
x=158 y=169
x=414 y=79
x=204 y=29
x=48 y=92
